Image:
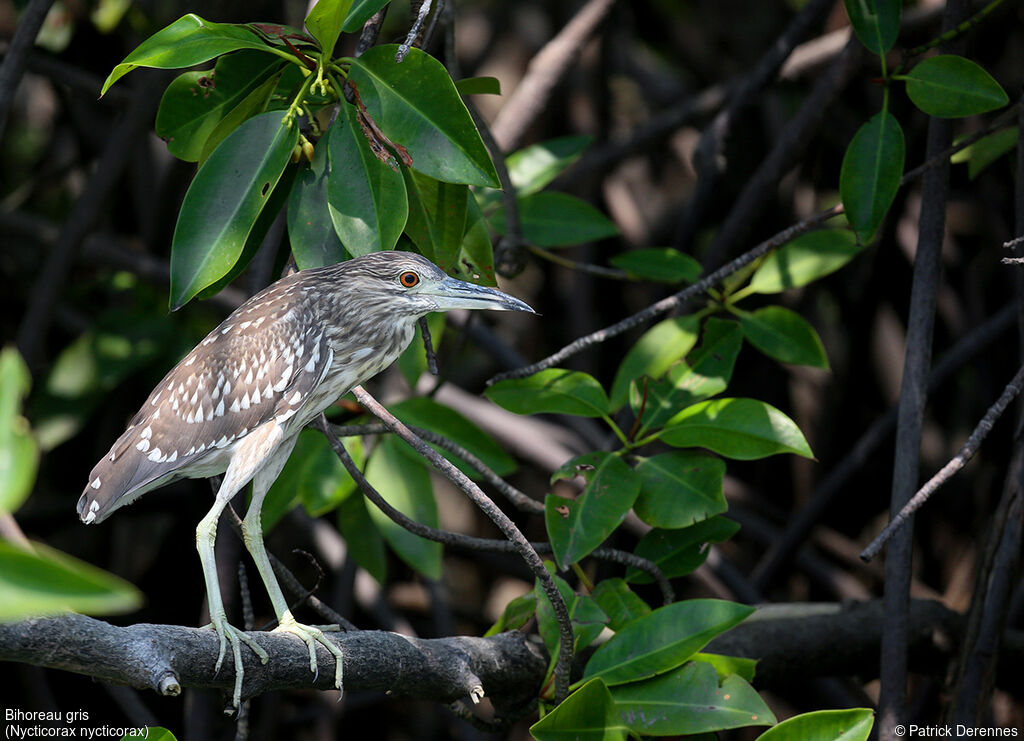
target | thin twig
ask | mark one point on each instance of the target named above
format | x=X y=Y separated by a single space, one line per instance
x=676 y=299
x=410 y=38
x=958 y=461
x=428 y=346
x=13 y=66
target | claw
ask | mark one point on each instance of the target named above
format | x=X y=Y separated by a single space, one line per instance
x=227 y=633
x=312 y=635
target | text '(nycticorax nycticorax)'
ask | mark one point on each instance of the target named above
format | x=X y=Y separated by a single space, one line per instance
x=237 y=402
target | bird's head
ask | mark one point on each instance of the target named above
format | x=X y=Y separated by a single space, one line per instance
x=408 y=284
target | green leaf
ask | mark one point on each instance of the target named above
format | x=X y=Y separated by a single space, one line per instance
x=195 y=103
x=662 y=264
x=707 y=373
x=314 y=476
x=871 y=171
x=517 y=613
x=361 y=12
x=476 y=254
x=986 y=150
x=254 y=103
x=551 y=391
x=424 y=412
x=690 y=700
x=311 y=231
x=726 y=666
x=588 y=620
x=663 y=640
x=19 y=453
x=189 y=40
x=533 y=167
x=325 y=21
x=588 y=714
x=804 y=260
x=153 y=733
x=366 y=198
x=437 y=217
x=824 y=725
x=224 y=201
x=620 y=603
x=416 y=105
x=48 y=582
x=949 y=86
x=680 y=488
x=578 y=526
x=744 y=429
x=550 y=219
x=364 y=540
x=478 y=86
x=405 y=485
x=876 y=22
x=657 y=349
x=680 y=552
x=784 y=335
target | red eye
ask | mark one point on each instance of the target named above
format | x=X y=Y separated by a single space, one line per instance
x=408 y=279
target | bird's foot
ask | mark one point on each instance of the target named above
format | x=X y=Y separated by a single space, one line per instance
x=312 y=635
x=229 y=634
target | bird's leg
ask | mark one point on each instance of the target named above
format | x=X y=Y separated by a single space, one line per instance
x=206 y=537
x=252 y=534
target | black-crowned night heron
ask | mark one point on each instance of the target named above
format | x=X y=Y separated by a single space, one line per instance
x=237 y=402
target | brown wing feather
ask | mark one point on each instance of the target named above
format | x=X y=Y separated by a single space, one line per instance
x=257 y=365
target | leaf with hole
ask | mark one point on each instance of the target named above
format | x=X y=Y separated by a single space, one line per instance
x=578 y=526
x=949 y=86
x=416 y=105
x=871 y=172
x=743 y=429
x=366 y=199
x=224 y=201
x=663 y=640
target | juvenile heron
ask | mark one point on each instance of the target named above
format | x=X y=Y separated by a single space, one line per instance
x=237 y=402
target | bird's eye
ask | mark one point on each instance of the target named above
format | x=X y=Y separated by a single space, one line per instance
x=408 y=279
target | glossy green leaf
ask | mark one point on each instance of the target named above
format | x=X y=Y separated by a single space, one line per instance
x=153 y=733
x=949 y=86
x=19 y=453
x=551 y=391
x=986 y=150
x=706 y=373
x=533 y=167
x=578 y=526
x=690 y=700
x=620 y=603
x=313 y=476
x=361 y=12
x=680 y=552
x=726 y=666
x=475 y=263
x=517 y=613
x=680 y=488
x=364 y=541
x=824 y=725
x=744 y=429
x=311 y=231
x=367 y=199
x=658 y=348
x=550 y=219
x=587 y=618
x=662 y=264
x=806 y=259
x=188 y=41
x=48 y=582
x=478 y=86
x=663 y=640
x=871 y=171
x=423 y=412
x=437 y=217
x=254 y=103
x=588 y=714
x=196 y=102
x=876 y=22
x=416 y=105
x=325 y=21
x=405 y=485
x=224 y=201
x=784 y=335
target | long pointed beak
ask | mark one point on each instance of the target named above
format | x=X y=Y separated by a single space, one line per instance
x=457 y=294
